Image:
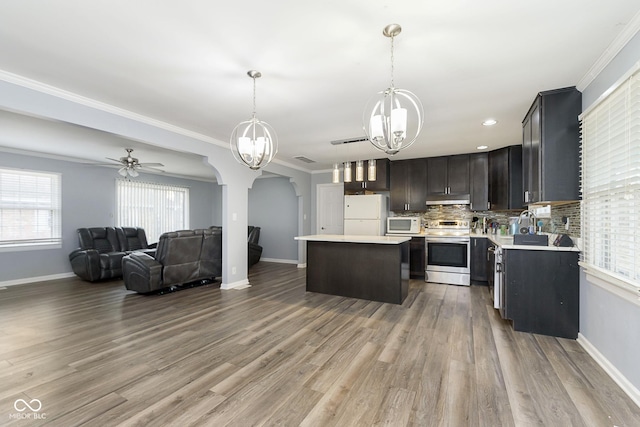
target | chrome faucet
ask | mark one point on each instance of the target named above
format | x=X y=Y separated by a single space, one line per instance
x=530 y=215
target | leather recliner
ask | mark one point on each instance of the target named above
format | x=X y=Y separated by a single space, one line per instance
x=181 y=257
x=102 y=249
x=253 y=238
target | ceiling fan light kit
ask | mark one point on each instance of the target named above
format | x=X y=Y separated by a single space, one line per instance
x=254 y=142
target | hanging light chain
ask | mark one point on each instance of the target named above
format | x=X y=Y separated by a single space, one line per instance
x=254 y=96
x=392 y=83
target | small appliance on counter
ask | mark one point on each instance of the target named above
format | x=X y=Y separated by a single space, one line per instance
x=403 y=225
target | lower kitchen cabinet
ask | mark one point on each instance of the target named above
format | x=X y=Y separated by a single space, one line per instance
x=541 y=291
x=479 y=265
x=417 y=262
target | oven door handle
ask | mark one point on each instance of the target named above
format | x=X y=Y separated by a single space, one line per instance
x=448 y=240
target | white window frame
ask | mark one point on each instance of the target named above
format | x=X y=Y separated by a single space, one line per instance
x=38 y=197
x=158 y=208
x=610 y=184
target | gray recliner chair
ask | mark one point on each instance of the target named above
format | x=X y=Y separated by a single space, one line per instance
x=181 y=257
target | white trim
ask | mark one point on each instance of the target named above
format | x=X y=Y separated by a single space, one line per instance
x=281 y=261
x=634 y=68
x=606 y=281
x=621 y=40
x=240 y=284
x=302 y=265
x=101 y=106
x=611 y=370
x=28 y=280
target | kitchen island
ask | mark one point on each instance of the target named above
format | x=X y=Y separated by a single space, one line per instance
x=374 y=268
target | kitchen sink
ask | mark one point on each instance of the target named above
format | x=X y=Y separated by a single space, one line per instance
x=531 y=239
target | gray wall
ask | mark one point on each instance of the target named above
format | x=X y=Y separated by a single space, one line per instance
x=273 y=206
x=608 y=321
x=88 y=200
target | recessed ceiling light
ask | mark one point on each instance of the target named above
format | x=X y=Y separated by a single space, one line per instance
x=489 y=122
x=482 y=147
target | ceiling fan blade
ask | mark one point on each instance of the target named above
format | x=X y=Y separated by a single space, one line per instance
x=115 y=160
x=152 y=168
x=151 y=164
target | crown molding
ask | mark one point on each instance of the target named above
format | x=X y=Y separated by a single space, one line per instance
x=101 y=106
x=621 y=40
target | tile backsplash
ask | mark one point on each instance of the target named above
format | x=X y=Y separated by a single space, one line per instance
x=552 y=225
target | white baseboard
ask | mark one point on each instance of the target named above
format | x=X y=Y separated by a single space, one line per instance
x=281 y=261
x=303 y=265
x=240 y=284
x=611 y=370
x=27 y=280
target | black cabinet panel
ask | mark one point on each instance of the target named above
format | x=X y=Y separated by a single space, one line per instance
x=417 y=257
x=408 y=185
x=505 y=178
x=448 y=175
x=479 y=265
x=479 y=181
x=551 y=147
x=542 y=291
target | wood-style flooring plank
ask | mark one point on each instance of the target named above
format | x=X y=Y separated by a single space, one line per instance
x=272 y=354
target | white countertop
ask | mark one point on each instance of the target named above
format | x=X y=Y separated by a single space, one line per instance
x=384 y=240
x=506 y=242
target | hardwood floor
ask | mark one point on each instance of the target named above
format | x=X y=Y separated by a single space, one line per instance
x=98 y=355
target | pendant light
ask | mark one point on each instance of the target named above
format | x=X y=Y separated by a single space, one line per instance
x=347 y=172
x=393 y=118
x=371 y=170
x=335 y=174
x=359 y=171
x=254 y=142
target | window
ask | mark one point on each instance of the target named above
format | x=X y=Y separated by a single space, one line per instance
x=30 y=209
x=157 y=208
x=611 y=184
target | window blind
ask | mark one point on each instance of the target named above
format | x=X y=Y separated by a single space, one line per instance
x=30 y=208
x=610 y=182
x=157 y=208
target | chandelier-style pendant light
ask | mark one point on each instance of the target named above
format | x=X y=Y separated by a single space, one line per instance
x=393 y=118
x=254 y=142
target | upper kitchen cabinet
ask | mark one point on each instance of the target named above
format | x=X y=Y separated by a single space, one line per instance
x=479 y=182
x=448 y=176
x=505 y=178
x=381 y=183
x=550 y=147
x=408 y=185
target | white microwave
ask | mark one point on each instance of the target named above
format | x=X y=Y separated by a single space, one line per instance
x=403 y=224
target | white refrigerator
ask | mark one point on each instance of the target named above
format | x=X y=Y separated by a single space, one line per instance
x=365 y=215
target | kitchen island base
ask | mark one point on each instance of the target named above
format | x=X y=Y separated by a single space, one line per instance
x=371 y=271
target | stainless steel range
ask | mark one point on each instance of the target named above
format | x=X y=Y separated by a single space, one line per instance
x=448 y=252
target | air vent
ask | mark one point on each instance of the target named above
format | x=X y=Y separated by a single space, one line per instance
x=350 y=140
x=304 y=159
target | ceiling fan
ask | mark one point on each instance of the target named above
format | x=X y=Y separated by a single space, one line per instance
x=131 y=165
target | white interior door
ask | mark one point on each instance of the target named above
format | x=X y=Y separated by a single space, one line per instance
x=330 y=208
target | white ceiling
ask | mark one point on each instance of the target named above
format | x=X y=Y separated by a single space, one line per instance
x=185 y=63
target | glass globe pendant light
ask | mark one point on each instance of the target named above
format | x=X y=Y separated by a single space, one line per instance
x=254 y=142
x=393 y=118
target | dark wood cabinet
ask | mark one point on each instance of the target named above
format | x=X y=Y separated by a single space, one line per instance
x=479 y=265
x=417 y=262
x=479 y=181
x=381 y=182
x=408 y=185
x=541 y=291
x=551 y=147
x=505 y=178
x=448 y=175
